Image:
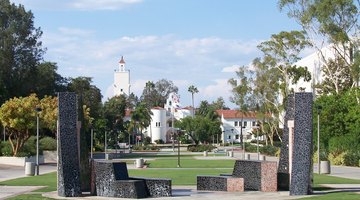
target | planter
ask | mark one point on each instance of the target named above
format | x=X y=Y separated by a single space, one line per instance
x=325 y=167
x=20 y=161
x=50 y=156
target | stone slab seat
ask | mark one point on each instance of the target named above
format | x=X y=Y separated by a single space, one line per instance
x=156 y=187
x=258 y=175
x=220 y=183
x=112 y=180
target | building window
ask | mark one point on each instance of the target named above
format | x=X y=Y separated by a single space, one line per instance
x=157 y=124
x=254 y=123
x=170 y=124
x=245 y=123
x=229 y=137
x=235 y=123
x=121 y=90
x=237 y=137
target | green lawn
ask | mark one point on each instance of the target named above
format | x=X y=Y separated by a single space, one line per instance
x=48 y=180
x=190 y=163
x=178 y=176
x=325 y=179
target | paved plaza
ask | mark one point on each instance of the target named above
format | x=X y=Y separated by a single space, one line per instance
x=8 y=172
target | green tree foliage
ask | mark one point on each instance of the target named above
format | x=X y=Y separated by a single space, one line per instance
x=18 y=115
x=334 y=22
x=339 y=123
x=219 y=104
x=90 y=94
x=204 y=127
x=140 y=118
x=22 y=70
x=20 y=50
x=114 y=113
x=155 y=94
x=192 y=89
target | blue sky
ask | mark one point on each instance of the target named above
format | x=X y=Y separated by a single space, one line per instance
x=190 y=42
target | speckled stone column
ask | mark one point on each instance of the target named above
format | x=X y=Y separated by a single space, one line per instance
x=68 y=161
x=283 y=168
x=302 y=152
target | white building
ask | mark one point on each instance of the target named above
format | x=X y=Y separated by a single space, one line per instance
x=162 y=120
x=121 y=79
x=236 y=123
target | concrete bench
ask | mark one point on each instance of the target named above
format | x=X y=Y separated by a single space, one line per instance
x=220 y=183
x=111 y=179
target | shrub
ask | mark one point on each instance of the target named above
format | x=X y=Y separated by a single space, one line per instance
x=269 y=150
x=159 y=141
x=147 y=140
x=6 y=149
x=200 y=148
x=250 y=147
x=48 y=143
x=146 y=148
x=351 y=158
x=338 y=159
x=29 y=148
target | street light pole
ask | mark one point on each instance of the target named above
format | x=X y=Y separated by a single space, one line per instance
x=318 y=136
x=92 y=142
x=37 y=109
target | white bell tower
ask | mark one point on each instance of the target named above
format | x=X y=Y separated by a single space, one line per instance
x=121 y=79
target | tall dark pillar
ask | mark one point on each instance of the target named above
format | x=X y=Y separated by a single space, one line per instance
x=68 y=160
x=301 y=171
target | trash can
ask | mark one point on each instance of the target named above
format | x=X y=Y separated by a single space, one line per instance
x=29 y=168
x=247 y=156
x=205 y=153
x=139 y=163
x=325 y=167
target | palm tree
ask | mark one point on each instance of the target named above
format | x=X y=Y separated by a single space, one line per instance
x=192 y=89
x=140 y=117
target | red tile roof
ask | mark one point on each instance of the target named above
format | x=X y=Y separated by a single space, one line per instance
x=235 y=114
x=122 y=61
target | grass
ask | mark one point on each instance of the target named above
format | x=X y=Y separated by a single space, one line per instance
x=190 y=163
x=325 y=179
x=178 y=176
x=48 y=180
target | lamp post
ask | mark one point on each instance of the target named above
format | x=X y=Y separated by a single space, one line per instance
x=257 y=142
x=178 y=140
x=242 y=139
x=318 y=135
x=92 y=141
x=38 y=110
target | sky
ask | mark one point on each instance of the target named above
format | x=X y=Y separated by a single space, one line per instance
x=190 y=42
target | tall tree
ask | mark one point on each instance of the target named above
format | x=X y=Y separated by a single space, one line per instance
x=333 y=22
x=91 y=95
x=219 y=104
x=20 y=51
x=192 y=89
x=114 y=113
x=155 y=94
x=241 y=88
x=140 y=118
x=18 y=115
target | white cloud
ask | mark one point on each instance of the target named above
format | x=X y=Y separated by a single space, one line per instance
x=231 y=69
x=196 y=61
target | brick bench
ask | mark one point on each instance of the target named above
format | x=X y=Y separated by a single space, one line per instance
x=258 y=175
x=220 y=183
